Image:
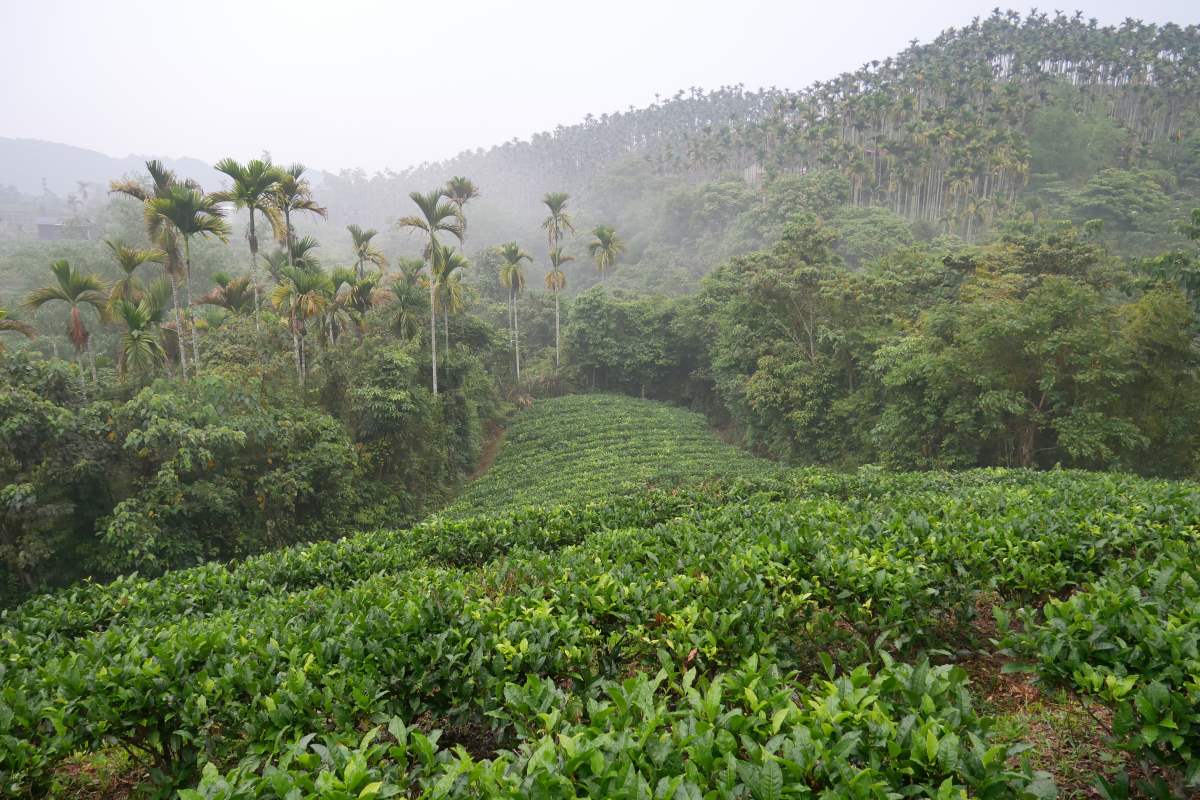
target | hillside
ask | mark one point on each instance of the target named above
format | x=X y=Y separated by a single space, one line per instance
x=323 y=487
x=588 y=447
x=775 y=635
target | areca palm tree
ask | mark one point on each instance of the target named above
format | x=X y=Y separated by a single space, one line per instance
x=232 y=294
x=253 y=184
x=559 y=221
x=604 y=248
x=140 y=349
x=190 y=213
x=14 y=326
x=302 y=294
x=300 y=254
x=365 y=252
x=357 y=296
x=449 y=267
x=460 y=191
x=512 y=277
x=291 y=194
x=556 y=281
x=408 y=298
x=436 y=215
x=129 y=259
x=162 y=181
x=77 y=290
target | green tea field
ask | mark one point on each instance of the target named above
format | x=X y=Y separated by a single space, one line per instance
x=674 y=620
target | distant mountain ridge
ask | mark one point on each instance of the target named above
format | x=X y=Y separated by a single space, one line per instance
x=26 y=163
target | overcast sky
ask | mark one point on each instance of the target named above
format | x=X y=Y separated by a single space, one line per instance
x=342 y=83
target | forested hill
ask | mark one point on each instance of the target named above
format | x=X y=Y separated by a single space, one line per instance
x=1038 y=117
x=1047 y=117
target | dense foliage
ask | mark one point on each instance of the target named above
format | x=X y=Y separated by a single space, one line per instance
x=1037 y=349
x=232 y=462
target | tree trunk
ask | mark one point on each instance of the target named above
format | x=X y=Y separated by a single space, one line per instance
x=446 y=330
x=1027 y=444
x=512 y=335
x=258 y=344
x=92 y=361
x=287 y=234
x=82 y=378
x=187 y=286
x=556 y=348
x=432 y=330
x=296 y=351
x=180 y=342
x=517 y=339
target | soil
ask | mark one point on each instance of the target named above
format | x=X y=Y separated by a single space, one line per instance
x=491 y=449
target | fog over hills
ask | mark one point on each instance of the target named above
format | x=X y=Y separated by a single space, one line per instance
x=32 y=165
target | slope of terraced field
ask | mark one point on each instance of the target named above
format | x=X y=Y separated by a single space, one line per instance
x=759 y=634
x=587 y=447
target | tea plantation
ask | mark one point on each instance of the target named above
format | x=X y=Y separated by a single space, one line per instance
x=589 y=447
x=707 y=626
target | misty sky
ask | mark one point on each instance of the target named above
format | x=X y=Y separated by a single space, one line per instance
x=375 y=84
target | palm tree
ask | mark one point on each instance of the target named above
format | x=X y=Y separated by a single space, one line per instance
x=556 y=281
x=512 y=277
x=365 y=252
x=559 y=221
x=190 y=213
x=359 y=296
x=276 y=260
x=303 y=294
x=14 y=326
x=129 y=259
x=604 y=248
x=253 y=185
x=292 y=193
x=76 y=290
x=158 y=301
x=140 y=350
x=162 y=180
x=408 y=298
x=232 y=294
x=460 y=191
x=449 y=267
x=436 y=215
x=301 y=254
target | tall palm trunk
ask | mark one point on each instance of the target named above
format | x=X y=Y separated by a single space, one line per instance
x=187 y=286
x=446 y=331
x=82 y=375
x=180 y=344
x=287 y=233
x=254 y=280
x=556 y=327
x=516 y=334
x=296 y=349
x=432 y=329
x=92 y=362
